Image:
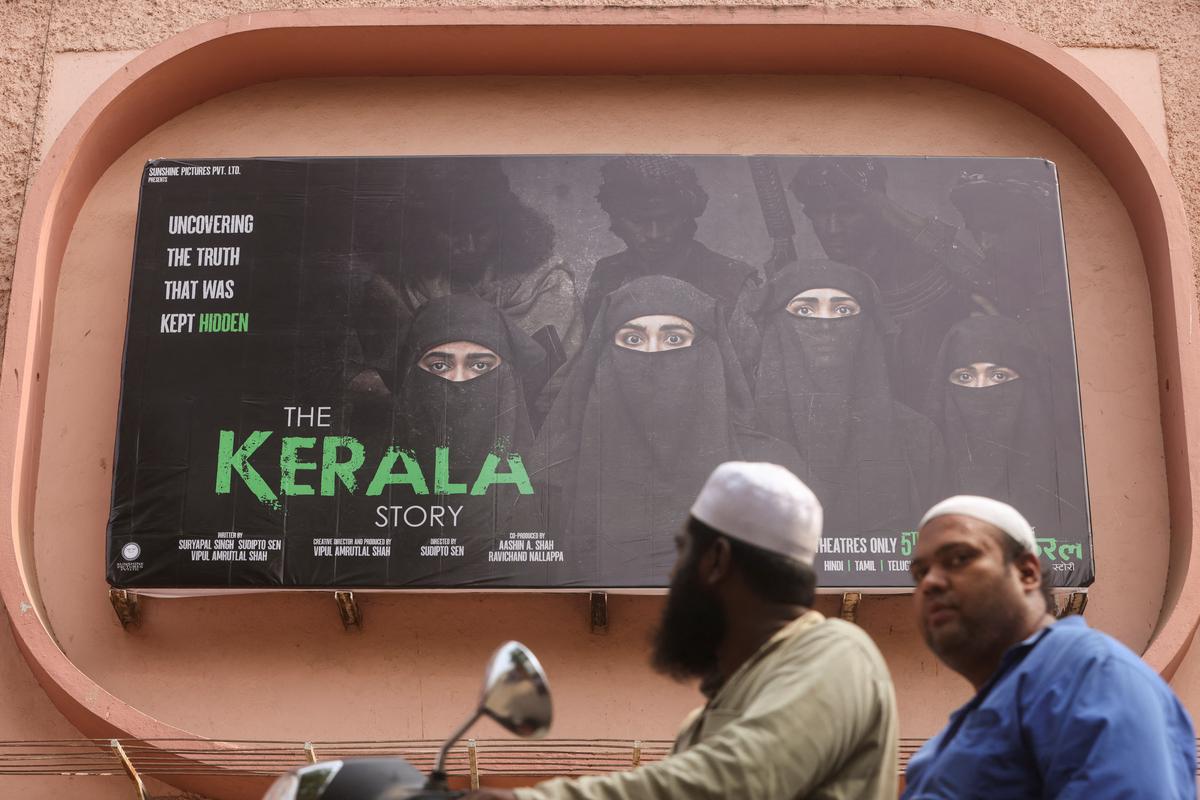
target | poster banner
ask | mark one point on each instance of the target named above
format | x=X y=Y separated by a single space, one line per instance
x=516 y=372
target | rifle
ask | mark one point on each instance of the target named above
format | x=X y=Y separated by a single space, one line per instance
x=776 y=213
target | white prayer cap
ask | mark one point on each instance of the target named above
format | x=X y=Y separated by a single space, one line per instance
x=764 y=505
x=993 y=512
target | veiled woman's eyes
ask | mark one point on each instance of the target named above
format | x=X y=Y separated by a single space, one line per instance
x=673 y=340
x=655 y=333
x=983 y=375
x=482 y=366
x=812 y=308
x=437 y=366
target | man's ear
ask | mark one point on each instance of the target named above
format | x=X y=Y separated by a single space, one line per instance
x=717 y=562
x=1029 y=567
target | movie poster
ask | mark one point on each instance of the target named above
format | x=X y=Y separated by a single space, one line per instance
x=517 y=372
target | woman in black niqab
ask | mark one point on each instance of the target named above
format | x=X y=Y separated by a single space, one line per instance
x=1000 y=429
x=471 y=419
x=633 y=435
x=822 y=385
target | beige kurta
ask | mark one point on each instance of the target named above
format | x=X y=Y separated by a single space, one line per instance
x=811 y=715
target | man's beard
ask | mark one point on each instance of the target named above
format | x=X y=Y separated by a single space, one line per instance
x=691 y=629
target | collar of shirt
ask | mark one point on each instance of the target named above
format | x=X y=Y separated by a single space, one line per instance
x=1018 y=651
x=796 y=626
x=1011 y=658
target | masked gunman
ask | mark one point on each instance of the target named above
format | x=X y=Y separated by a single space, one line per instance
x=653 y=203
x=799 y=706
x=1059 y=710
x=927 y=280
x=1017 y=226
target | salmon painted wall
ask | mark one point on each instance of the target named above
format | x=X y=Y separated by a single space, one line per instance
x=279 y=666
x=414 y=668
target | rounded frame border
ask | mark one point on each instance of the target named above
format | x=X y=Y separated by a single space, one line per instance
x=226 y=55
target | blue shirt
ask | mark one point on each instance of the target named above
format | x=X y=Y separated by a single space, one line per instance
x=1070 y=713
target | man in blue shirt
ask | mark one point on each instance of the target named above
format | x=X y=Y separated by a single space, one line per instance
x=1060 y=710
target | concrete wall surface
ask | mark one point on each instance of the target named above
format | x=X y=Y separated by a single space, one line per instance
x=413 y=670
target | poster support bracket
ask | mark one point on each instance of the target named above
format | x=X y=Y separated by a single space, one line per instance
x=130 y=770
x=348 y=610
x=850 y=601
x=598 y=604
x=127 y=605
x=1070 y=604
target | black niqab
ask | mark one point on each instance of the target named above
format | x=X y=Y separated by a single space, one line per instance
x=633 y=435
x=822 y=385
x=1000 y=439
x=473 y=418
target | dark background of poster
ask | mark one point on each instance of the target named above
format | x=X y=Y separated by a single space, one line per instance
x=313 y=217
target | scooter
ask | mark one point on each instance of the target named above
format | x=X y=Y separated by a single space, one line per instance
x=515 y=694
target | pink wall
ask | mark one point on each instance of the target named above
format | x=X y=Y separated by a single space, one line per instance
x=414 y=669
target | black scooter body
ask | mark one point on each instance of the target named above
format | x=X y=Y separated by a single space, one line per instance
x=379 y=779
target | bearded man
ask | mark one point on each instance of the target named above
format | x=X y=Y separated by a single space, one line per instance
x=1060 y=710
x=799 y=706
x=653 y=203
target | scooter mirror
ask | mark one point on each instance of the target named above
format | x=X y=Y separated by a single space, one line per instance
x=515 y=692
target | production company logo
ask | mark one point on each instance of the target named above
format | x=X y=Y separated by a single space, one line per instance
x=130 y=552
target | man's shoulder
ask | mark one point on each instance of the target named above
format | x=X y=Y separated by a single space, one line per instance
x=834 y=639
x=700 y=252
x=611 y=272
x=614 y=261
x=839 y=660
x=840 y=630
x=1073 y=634
x=1071 y=647
x=553 y=272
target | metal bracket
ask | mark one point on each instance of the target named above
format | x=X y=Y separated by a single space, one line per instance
x=637 y=752
x=132 y=772
x=474 y=763
x=310 y=752
x=348 y=609
x=1070 y=604
x=850 y=601
x=127 y=605
x=598 y=601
